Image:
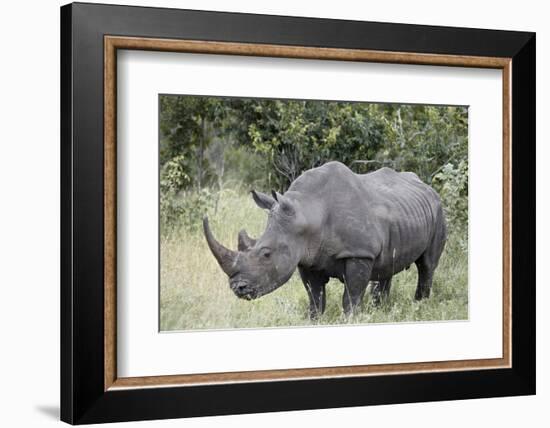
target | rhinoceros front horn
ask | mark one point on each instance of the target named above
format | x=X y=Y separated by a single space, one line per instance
x=224 y=256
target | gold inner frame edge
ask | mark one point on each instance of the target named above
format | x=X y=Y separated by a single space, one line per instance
x=113 y=43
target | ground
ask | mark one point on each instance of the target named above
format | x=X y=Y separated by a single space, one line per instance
x=194 y=292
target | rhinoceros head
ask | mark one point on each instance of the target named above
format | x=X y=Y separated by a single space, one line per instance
x=260 y=266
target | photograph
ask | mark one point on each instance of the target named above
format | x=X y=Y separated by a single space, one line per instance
x=296 y=213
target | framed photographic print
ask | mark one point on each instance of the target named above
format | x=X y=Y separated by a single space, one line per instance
x=264 y=213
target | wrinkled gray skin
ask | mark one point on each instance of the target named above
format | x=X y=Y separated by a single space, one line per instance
x=333 y=223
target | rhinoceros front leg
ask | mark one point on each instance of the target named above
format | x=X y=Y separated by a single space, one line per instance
x=381 y=290
x=356 y=280
x=314 y=282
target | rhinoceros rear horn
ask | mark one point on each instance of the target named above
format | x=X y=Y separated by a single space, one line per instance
x=245 y=242
x=224 y=256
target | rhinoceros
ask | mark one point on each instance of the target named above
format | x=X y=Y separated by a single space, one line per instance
x=334 y=223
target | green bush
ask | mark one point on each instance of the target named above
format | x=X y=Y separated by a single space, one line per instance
x=185 y=209
x=452 y=184
x=247 y=169
x=181 y=207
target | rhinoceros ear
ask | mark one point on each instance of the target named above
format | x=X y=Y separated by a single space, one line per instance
x=262 y=200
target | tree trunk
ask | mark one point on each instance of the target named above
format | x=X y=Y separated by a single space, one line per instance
x=200 y=154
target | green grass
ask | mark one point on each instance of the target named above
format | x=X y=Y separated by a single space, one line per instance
x=194 y=292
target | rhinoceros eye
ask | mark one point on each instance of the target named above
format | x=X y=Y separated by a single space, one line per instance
x=265 y=253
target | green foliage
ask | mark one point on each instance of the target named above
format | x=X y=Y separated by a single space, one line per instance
x=452 y=184
x=298 y=135
x=246 y=168
x=209 y=142
x=187 y=127
x=173 y=176
x=178 y=207
x=423 y=138
x=185 y=209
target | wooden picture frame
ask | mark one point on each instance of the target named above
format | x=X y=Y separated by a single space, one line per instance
x=91 y=391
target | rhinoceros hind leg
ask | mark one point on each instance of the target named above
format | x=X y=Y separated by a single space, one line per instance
x=428 y=261
x=426 y=265
x=314 y=282
x=356 y=280
x=425 y=277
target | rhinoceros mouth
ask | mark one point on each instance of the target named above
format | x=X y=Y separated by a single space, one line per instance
x=243 y=290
